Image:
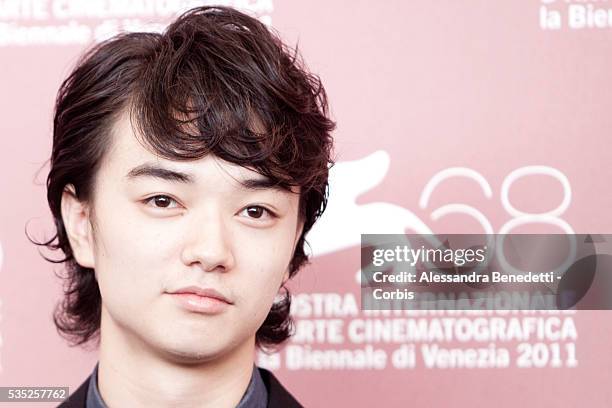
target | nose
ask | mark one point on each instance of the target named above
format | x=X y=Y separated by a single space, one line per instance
x=208 y=243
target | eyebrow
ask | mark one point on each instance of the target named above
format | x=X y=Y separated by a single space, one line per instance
x=156 y=171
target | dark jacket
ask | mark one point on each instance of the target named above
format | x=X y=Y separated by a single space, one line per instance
x=278 y=396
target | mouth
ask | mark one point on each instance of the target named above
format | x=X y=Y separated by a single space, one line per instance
x=201 y=300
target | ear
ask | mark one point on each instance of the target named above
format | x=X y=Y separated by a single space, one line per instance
x=75 y=215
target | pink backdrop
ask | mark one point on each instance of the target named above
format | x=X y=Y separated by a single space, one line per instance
x=467 y=93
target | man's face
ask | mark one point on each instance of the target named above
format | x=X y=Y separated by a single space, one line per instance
x=153 y=236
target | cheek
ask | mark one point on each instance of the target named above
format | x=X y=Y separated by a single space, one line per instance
x=131 y=259
x=127 y=234
x=261 y=265
x=267 y=250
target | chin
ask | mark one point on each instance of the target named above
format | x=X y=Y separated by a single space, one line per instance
x=190 y=355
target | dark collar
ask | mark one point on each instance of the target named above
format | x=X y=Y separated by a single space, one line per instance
x=255 y=396
x=278 y=396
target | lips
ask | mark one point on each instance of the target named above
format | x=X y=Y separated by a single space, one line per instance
x=202 y=301
x=203 y=292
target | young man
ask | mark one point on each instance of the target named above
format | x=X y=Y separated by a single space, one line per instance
x=186 y=169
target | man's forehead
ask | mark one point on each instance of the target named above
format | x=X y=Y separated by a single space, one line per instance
x=137 y=162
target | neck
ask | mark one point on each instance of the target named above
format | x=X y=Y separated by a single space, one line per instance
x=132 y=373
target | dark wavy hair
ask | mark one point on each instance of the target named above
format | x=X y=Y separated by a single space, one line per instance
x=196 y=89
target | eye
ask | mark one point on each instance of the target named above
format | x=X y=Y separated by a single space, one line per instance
x=257 y=212
x=161 y=201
